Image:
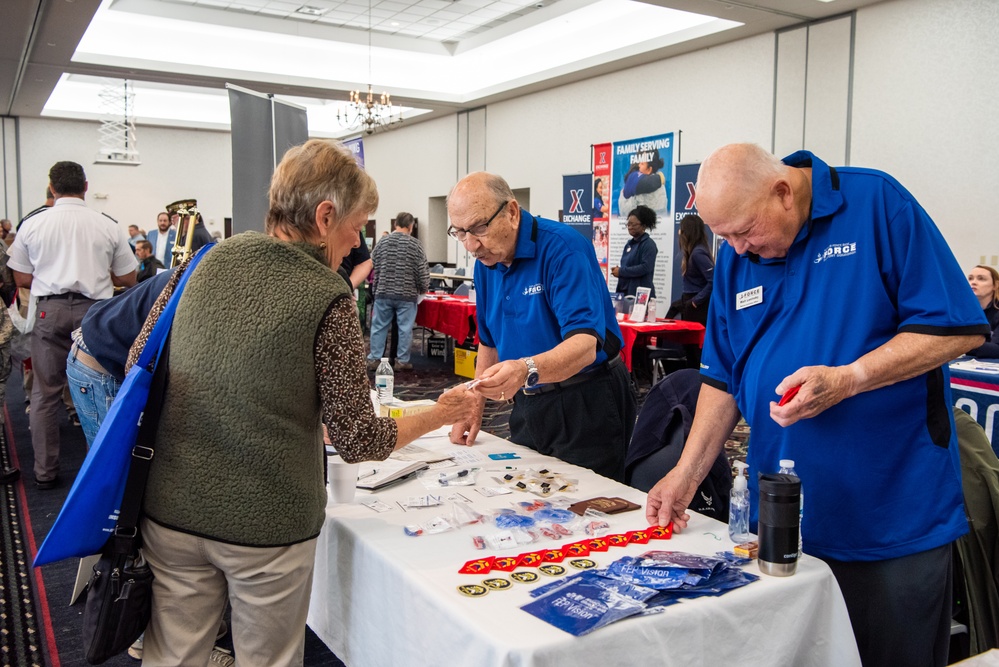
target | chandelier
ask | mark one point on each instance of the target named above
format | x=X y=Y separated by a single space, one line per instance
x=369 y=111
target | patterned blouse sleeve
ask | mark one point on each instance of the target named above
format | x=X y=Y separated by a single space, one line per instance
x=354 y=429
x=154 y=315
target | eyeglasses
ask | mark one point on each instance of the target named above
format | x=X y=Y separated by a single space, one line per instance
x=475 y=230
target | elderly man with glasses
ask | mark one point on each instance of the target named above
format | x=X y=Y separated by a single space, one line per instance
x=549 y=340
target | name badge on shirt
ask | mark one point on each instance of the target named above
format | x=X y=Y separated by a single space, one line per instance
x=751 y=297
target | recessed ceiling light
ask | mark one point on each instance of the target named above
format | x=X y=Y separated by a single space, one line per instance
x=394 y=23
x=309 y=10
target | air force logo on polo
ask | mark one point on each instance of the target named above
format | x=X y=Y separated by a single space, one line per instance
x=836 y=250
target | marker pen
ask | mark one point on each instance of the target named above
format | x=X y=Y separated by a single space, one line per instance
x=791 y=393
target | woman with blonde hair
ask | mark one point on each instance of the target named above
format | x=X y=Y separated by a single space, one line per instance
x=265 y=348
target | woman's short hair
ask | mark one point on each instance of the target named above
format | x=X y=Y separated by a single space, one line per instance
x=646 y=216
x=319 y=170
x=404 y=220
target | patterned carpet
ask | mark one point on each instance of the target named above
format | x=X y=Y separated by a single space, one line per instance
x=19 y=627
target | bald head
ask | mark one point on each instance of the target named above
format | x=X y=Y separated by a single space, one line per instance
x=753 y=200
x=485 y=215
x=735 y=177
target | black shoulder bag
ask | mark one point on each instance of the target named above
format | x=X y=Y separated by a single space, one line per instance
x=119 y=593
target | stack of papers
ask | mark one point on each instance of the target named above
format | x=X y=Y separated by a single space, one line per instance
x=413 y=452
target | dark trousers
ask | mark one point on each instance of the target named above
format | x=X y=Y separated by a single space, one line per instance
x=692 y=314
x=588 y=424
x=50 y=343
x=900 y=609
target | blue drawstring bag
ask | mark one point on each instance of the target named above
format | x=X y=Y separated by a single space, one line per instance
x=89 y=515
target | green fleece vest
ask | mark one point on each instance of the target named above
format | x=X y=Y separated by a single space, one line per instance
x=239 y=454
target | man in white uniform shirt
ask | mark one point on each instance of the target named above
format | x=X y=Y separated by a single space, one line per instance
x=70 y=257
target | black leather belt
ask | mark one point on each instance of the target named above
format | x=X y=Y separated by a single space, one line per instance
x=575 y=379
x=64 y=295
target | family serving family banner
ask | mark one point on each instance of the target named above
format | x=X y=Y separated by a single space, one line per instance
x=628 y=174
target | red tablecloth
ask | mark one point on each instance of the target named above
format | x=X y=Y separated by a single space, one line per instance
x=453 y=316
x=676 y=331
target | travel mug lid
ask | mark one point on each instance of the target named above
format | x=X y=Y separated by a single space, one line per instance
x=780 y=486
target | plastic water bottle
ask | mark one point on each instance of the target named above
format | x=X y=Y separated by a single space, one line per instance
x=384 y=381
x=738 y=507
x=787 y=468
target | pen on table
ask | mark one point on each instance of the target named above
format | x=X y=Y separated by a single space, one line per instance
x=374 y=471
x=791 y=393
x=501 y=469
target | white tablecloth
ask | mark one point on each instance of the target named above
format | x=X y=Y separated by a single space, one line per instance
x=381 y=598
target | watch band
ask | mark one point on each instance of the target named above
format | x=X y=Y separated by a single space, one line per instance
x=532 y=373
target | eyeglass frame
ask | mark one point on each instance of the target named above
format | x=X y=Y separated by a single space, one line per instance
x=475 y=230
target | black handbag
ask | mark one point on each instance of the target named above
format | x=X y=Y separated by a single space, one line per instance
x=120 y=590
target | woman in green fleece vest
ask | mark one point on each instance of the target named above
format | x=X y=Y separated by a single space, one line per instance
x=265 y=347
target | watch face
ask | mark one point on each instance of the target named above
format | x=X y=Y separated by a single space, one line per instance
x=532 y=378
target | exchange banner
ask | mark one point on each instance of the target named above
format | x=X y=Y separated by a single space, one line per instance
x=684 y=205
x=577 y=196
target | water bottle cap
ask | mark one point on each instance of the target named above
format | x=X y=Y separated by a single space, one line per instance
x=787 y=463
x=385 y=360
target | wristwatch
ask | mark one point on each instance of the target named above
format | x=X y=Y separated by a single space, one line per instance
x=532 y=373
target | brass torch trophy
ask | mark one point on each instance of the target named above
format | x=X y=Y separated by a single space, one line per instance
x=185 y=208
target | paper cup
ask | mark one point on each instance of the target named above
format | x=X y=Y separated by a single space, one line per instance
x=343 y=479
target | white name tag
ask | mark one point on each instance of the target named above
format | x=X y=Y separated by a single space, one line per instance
x=751 y=297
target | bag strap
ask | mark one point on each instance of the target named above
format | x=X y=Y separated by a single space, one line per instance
x=153 y=349
x=142 y=452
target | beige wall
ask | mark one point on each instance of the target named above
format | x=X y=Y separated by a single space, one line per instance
x=924 y=92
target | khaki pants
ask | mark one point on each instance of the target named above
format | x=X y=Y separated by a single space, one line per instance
x=269 y=588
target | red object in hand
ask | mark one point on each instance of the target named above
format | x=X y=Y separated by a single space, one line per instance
x=791 y=393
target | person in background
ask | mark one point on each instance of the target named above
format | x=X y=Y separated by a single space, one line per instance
x=638 y=260
x=811 y=252
x=236 y=493
x=549 y=338
x=162 y=238
x=149 y=266
x=697 y=268
x=8 y=290
x=357 y=265
x=70 y=257
x=984 y=281
x=401 y=276
x=6 y=228
x=23 y=298
x=135 y=235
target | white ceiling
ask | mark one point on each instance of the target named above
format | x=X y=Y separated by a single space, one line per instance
x=433 y=56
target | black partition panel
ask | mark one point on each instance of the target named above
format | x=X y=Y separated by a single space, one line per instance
x=262 y=130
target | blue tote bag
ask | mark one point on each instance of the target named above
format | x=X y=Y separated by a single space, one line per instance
x=89 y=515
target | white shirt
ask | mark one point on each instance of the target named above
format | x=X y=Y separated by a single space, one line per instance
x=71 y=248
x=161 y=245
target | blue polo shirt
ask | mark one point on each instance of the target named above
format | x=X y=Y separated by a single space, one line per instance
x=553 y=289
x=880 y=471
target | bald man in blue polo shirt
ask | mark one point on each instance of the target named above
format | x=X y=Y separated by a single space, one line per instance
x=549 y=339
x=835 y=280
